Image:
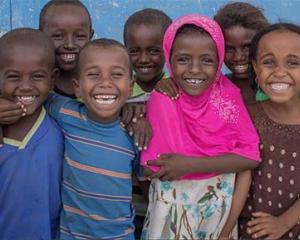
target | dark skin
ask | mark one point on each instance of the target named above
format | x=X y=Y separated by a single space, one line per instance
x=173 y=166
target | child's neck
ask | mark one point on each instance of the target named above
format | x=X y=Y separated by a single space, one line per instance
x=19 y=129
x=284 y=113
x=64 y=82
x=245 y=87
x=149 y=86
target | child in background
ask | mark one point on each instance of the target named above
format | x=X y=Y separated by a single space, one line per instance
x=68 y=23
x=31 y=157
x=143 y=37
x=210 y=138
x=240 y=21
x=99 y=154
x=272 y=210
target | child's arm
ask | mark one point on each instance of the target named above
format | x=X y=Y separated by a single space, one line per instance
x=264 y=225
x=173 y=166
x=167 y=87
x=242 y=185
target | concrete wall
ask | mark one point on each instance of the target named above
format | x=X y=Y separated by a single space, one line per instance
x=108 y=16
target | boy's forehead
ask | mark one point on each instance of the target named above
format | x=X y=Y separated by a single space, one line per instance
x=98 y=52
x=61 y=12
x=19 y=51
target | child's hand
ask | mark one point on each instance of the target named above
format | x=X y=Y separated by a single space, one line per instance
x=10 y=111
x=141 y=132
x=266 y=226
x=172 y=167
x=167 y=87
x=131 y=112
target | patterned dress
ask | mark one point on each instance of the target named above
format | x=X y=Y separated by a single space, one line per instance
x=276 y=182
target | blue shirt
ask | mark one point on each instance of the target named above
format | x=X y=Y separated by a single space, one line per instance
x=30 y=173
x=96 y=188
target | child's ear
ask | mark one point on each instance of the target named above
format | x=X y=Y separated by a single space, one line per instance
x=91 y=34
x=54 y=76
x=75 y=82
x=132 y=82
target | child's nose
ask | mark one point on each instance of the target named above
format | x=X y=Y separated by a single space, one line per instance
x=26 y=84
x=195 y=67
x=239 y=55
x=144 y=58
x=69 y=43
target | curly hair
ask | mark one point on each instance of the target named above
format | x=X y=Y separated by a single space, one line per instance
x=241 y=14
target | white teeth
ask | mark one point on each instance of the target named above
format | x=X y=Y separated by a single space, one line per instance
x=26 y=99
x=194 y=81
x=279 y=86
x=105 y=96
x=68 y=57
x=241 y=68
x=145 y=69
x=109 y=101
x=105 y=99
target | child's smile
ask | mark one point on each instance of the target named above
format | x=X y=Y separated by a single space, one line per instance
x=277 y=65
x=69 y=28
x=104 y=82
x=194 y=62
x=26 y=77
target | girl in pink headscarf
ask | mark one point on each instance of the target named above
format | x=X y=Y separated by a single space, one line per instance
x=199 y=140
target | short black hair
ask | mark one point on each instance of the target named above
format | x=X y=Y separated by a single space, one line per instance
x=256 y=39
x=27 y=37
x=241 y=14
x=103 y=43
x=147 y=16
x=61 y=3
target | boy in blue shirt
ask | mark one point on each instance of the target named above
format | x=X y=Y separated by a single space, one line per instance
x=32 y=153
x=99 y=154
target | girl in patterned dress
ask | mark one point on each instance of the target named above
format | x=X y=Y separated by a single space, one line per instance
x=272 y=210
x=202 y=138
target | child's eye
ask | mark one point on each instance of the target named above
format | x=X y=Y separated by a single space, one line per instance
x=38 y=77
x=93 y=75
x=293 y=63
x=182 y=60
x=133 y=52
x=12 y=77
x=229 y=49
x=246 y=47
x=81 y=36
x=57 y=36
x=117 y=74
x=268 y=62
x=154 y=51
x=207 y=60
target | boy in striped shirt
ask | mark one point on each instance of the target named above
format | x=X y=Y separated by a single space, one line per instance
x=99 y=155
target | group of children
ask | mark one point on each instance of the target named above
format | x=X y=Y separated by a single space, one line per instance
x=223 y=149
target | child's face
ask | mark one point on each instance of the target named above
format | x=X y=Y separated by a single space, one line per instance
x=194 y=62
x=144 y=44
x=277 y=65
x=69 y=28
x=237 y=43
x=104 y=82
x=26 y=76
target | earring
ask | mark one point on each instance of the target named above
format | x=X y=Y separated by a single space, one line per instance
x=260 y=95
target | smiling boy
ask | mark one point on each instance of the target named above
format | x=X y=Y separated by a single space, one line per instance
x=99 y=156
x=32 y=153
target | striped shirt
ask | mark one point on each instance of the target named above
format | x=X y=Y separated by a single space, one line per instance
x=96 y=184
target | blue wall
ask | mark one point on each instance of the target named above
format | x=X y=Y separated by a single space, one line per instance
x=109 y=15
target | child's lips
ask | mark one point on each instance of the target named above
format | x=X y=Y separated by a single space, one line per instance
x=279 y=87
x=145 y=70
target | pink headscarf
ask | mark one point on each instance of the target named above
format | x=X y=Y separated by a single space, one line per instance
x=214 y=123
